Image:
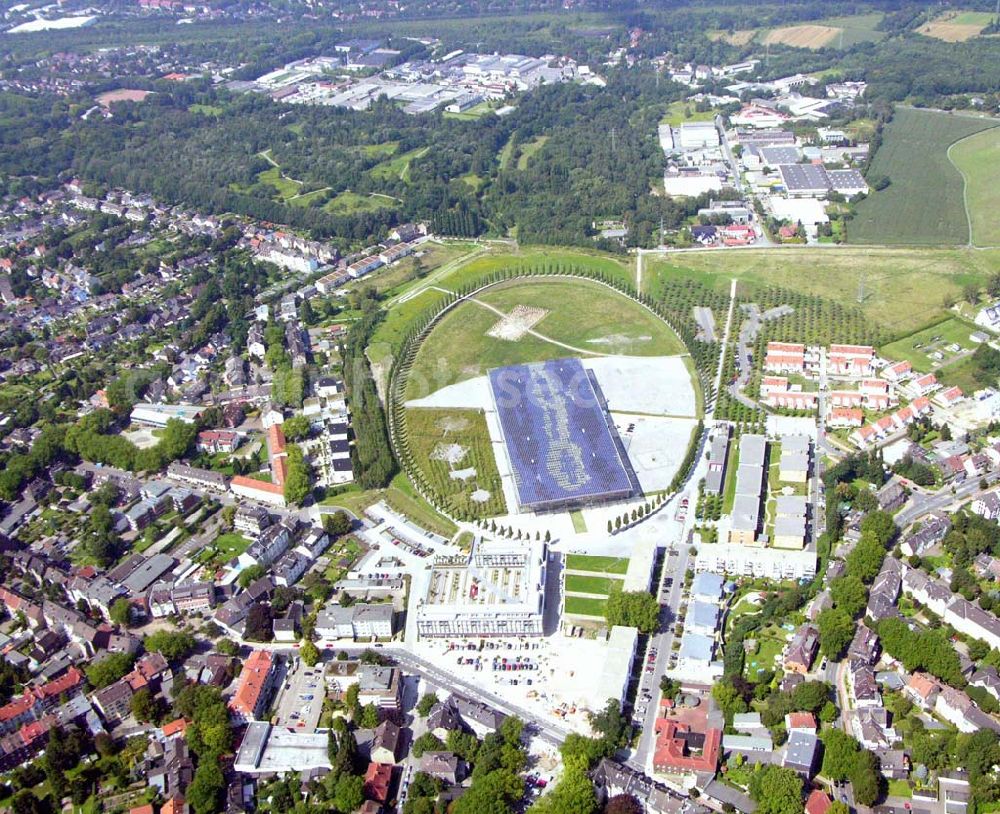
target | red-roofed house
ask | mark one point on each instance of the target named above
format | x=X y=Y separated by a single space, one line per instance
x=262 y=491
x=923 y=690
x=846 y=398
x=178 y=727
x=773 y=384
x=793 y=400
x=276 y=441
x=175 y=805
x=800 y=722
x=925 y=384
x=863 y=436
x=785 y=357
x=874 y=387
x=850 y=360
x=256 y=679
x=950 y=396
x=378 y=778
x=897 y=372
x=679 y=750
x=214 y=441
x=845 y=417
x=818 y=802
x=33 y=703
x=279 y=470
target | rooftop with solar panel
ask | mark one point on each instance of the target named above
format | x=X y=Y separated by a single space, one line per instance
x=563 y=450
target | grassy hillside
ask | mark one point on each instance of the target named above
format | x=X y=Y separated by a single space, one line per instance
x=978 y=158
x=904 y=288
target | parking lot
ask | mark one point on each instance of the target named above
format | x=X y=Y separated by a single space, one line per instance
x=300 y=696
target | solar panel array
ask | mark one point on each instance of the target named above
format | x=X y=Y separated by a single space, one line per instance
x=555 y=428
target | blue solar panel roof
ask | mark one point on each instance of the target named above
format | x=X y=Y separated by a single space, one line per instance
x=557 y=435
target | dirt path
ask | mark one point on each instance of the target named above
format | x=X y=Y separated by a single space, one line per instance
x=965 y=186
x=530 y=332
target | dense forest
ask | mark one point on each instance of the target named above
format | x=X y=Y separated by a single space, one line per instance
x=601 y=159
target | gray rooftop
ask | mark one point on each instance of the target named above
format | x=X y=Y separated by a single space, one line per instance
x=746 y=513
x=790 y=506
x=752 y=449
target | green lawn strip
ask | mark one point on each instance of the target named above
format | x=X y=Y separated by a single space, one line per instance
x=901 y=788
x=529 y=149
x=285 y=186
x=402 y=497
x=584 y=606
x=596 y=565
x=729 y=490
x=577 y=583
x=579 y=524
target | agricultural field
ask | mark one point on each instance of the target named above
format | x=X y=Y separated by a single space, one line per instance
x=596 y=565
x=584 y=606
x=832 y=32
x=904 y=288
x=578 y=318
x=917 y=347
x=453 y=452
x=803 y=36
x=978 y=159
x=914 y=157
x=956 y=26
x=742 y=36
x=856 y=28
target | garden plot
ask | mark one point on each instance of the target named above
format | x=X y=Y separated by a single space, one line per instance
x=517 y=323
x=454 y=453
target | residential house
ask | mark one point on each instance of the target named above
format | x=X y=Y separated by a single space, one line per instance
x=802 y=754
x=680 y=750
x=801 y=650
x=387 y=744
x=442 y=765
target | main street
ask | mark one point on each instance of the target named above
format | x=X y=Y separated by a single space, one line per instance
x=922 y=503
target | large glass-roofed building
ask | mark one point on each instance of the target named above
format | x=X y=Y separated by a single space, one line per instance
x=563 y=451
